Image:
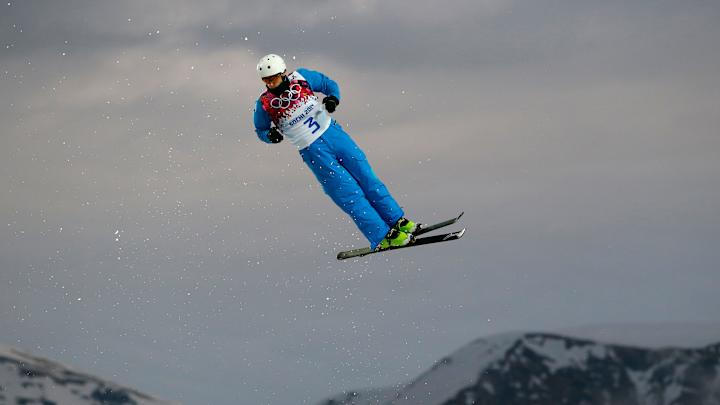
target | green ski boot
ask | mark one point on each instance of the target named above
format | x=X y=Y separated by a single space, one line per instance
x=395 y=238
x=406 y=225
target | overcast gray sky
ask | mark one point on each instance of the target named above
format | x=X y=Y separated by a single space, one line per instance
x=151 y=239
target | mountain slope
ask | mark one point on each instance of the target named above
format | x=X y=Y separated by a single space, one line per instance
x=25 y=379
x=541 y=368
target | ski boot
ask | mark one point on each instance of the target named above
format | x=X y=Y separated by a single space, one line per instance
x=407 y=226
x=395 y=238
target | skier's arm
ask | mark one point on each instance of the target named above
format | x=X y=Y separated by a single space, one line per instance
x=262 y=122
x=321 y=83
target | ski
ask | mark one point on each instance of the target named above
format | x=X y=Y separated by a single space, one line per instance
x=431 y=227
x=418 y=242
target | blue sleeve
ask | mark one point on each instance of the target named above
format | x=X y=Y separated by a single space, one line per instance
x=320 y=82
x=262 y=122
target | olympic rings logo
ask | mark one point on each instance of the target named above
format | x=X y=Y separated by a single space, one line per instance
x=282 y=102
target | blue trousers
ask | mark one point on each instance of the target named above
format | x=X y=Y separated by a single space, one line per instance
x=346 y=176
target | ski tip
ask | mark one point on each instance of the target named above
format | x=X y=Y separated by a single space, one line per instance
x=455 y=235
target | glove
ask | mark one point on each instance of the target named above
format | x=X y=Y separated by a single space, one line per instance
x=331 y=103
x=275 y=136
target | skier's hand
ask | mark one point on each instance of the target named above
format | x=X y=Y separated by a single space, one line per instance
x=275 y=136
x=331 y=103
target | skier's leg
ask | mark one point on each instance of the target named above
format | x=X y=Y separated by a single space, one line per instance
x=353 y=159
x=344 y=190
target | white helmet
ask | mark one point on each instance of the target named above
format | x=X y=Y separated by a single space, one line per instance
x=270 y=65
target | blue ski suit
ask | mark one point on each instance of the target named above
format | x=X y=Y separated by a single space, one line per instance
x=338 y=163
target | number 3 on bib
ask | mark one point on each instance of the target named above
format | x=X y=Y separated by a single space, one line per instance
x=310 y=122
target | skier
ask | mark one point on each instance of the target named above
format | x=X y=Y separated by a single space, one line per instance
x=291 y=104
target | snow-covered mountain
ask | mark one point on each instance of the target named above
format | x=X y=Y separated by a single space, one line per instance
x=25 y=379
x=544 y=368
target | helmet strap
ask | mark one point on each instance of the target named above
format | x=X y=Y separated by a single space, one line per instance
x=280 y=89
